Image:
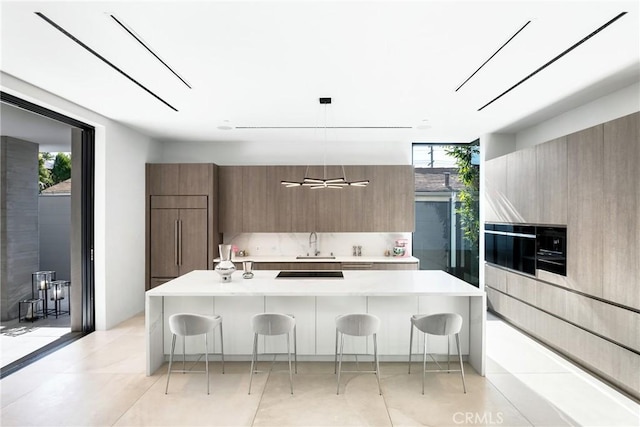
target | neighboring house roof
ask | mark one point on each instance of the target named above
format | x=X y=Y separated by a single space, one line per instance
x=434 y=179
x=63 y=187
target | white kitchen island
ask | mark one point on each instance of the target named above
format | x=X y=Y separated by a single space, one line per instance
x=391 y=295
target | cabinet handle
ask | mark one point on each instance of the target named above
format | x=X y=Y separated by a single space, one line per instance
x=175 y=245
x=359 y=266
x=180 y=243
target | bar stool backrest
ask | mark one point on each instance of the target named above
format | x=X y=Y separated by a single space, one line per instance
x=439 y=324
x=187 y=324
x=359 y=325
x=272 y=323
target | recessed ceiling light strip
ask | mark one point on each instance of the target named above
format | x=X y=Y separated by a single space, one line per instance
x=323 y=127
x=146 y=46
x=554 y=59
x=494 y=54
x=72 y=37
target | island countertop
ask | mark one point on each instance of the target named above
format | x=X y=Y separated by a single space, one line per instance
x=393 y=295
x=354 y=283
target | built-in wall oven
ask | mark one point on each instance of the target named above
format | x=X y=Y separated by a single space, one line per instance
x=526 y=247
x=511 y=246
x=551 y=249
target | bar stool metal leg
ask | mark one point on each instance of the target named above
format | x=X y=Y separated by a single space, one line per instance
x=173 y=347
x=410 y=346
x=253 y=359
x=464 y=386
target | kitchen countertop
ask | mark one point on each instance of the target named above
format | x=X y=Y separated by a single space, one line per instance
x=338 y=258
x=355 y=283
x=400 y=294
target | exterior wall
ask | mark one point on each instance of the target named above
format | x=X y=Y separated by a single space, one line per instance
x=19 y=222
x=54 y=236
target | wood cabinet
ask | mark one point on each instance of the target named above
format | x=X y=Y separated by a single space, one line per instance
x=585 y=224
x=182 y=219
x=253 y=200
x=230 y=189
x=495 y=181
x=551 y=184
x=332 y=265
x=379 y=266
x=621 y=209
x=521 y=187
x=169 y=179
x=179 y=237
x=400 y=206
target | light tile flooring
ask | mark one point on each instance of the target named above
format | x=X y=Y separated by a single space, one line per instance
x=100 y=380
x=18 y=339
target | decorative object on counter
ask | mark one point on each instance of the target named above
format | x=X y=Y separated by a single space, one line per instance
x=387 y=253
x=242 y=253
x=400 y=248
x=355 y=250
x=225 y=267
x=247 y=266
x=316 y=183
x=398 y=251
x=359 y=250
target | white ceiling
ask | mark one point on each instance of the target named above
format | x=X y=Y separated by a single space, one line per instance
x=51 y=135
x=266 y=63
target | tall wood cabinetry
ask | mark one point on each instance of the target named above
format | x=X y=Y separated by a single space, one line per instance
x=588 y=181
x=621 y=254
x=181 y=220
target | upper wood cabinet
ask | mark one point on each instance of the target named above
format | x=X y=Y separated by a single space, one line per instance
x=230 y=191
x=495 y=182
x=551 y=164
x=400 y=206
x=253 y=200
x=521 y=187
x=171 y=179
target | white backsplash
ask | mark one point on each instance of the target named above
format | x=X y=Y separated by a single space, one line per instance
x=294 y=244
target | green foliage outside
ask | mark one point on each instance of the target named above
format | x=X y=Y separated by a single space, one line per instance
x=44 y=174
x=469 y=209
x=61 y=170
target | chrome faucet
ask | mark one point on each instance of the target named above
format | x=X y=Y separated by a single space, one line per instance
x=313 y=240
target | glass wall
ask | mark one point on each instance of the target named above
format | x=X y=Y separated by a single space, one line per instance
x=446 y=203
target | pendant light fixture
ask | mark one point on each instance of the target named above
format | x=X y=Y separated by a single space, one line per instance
x=324 y=182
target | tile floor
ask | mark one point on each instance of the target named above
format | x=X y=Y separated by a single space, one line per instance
x=100 y=381
x=18 y=339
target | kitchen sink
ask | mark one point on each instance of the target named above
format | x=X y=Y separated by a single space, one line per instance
x=314 y=257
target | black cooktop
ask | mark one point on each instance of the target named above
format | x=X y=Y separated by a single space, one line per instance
x=313 y=274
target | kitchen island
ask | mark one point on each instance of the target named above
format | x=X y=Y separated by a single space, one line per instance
x=391 y=295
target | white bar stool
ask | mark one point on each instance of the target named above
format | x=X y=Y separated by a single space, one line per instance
x=186 y=325
x=359 y=325
x=442 y=324
x=270 y=324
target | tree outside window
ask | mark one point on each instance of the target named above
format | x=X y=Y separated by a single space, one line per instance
x=53 y=169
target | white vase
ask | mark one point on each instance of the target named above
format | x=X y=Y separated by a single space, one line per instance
x=225 y=267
